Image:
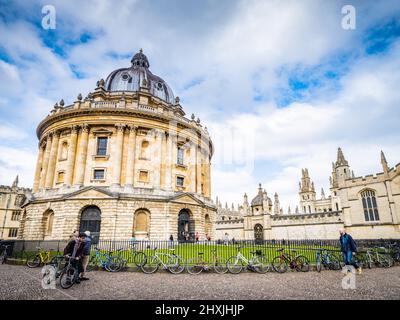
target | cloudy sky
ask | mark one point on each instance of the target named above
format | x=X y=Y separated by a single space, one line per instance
x=279 y=84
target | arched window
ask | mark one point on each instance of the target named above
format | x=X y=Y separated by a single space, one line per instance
x=144 y=150
x=64 y=151
x=48 y=219
x=207 y=225
x=369 y=205
x=91 y=221
x=141 y=224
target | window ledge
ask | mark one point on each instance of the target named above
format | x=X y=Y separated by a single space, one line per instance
x=181 y=165
x=142 y=158
x=96 y=156
x=98 y=180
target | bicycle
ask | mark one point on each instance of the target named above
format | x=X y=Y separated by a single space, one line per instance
x=198 y=264
x=105 y=260
x=257 y=262
x=395 y=251
x=328 y=260
x=4 y=253
x=41 y=257
x=69 y=274
x=281 y=262
x=57 y=263
x=139 y=257
x=373 y=257
x=173 y=264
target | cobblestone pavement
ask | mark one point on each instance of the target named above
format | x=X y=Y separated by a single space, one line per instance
x=20 y=282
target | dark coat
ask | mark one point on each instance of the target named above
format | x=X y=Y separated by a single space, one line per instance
x=347 y=243
x=86 y=246
x=69 y=249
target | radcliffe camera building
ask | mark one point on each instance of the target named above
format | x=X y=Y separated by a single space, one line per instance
x=122 y=162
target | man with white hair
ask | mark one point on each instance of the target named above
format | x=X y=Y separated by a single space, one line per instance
x=349 y=249
x=86 y=254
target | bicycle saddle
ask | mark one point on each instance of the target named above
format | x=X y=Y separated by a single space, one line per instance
x=200 y=253
x=281 y=249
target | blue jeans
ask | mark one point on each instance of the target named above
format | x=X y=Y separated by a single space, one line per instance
x=349 y=259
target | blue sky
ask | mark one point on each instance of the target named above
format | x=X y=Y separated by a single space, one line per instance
x=282 y=79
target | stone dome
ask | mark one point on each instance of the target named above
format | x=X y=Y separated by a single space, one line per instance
x=139 y=76
x=258 y=199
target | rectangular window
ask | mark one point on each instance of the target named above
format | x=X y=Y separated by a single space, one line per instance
x=60 y=177
x=15 y=216
x=179 y=181
x=98 y=174
x=143 y=176
x=180 y=156
x=12 y=233
x=102 y=146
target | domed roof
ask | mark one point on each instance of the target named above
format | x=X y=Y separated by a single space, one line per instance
x=258 y=199
x=138 y=76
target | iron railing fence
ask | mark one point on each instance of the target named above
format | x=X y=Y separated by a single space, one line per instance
x=20 y=249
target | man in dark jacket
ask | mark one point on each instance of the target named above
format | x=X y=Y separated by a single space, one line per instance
x=86 y=254
x=74 y=250
x=349 y=249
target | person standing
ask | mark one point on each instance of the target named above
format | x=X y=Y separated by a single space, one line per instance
x=349 y=249
x=197 y=236
x=86 y=254
x=74 y=250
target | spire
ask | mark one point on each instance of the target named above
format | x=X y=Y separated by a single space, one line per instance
x=384 y=163
x=276 y=204
x=15 y=183
x=341 y=161
x=322 y=194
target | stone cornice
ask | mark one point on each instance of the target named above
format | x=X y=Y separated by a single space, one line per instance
x=71 y=113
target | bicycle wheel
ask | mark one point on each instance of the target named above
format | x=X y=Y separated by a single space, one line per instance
x=3 y=258
x=220 y=266
x=67 y=277
x=34 y=261
x=114 y=264
x=92 y=265
x=334 y=263
x=151 y=265
x=175 y=264
x=139 y=258
x=302 y=264
x=57 y=262
x=279 y=264
x=383 y=261
x=260 y=264
x=234 y=265
x=194 y=266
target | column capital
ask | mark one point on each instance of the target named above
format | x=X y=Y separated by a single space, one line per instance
x=74 y=129
x=85 y=127
x=120 y=127
x=132 y=128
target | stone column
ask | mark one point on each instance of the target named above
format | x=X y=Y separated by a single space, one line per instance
x=82 y=153
x=168 y=167
x=52 y=160
x=39 y=161
x=71 y=156
x=198 y=167
x=157 y=159
x=130 y=161
x=45 y=162
x=118 y=155
x=192 y=166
